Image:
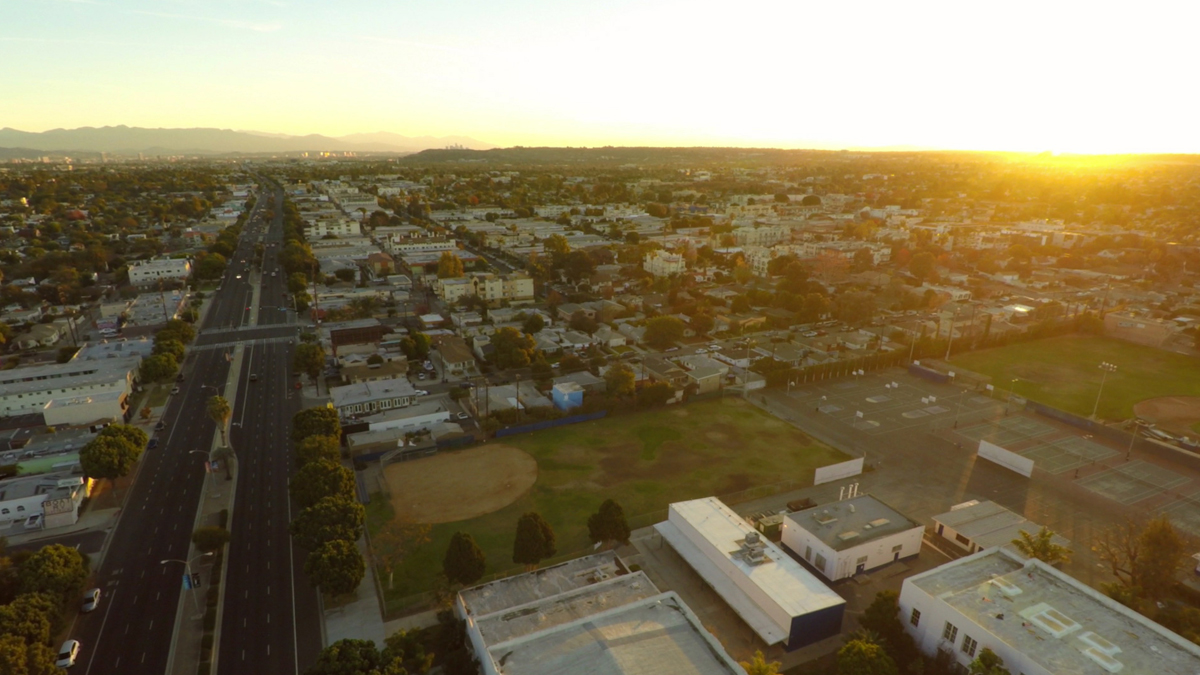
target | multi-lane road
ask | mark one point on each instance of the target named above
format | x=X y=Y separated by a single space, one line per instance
x=271 y=621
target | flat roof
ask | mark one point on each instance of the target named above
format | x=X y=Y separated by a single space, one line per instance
x=70 y=374
x=543 y=583
x=518 y=621
x=652 y=636
x=852 y=522
x=374 y=390
x=988 y=524
x=1056 y=621
x=794 y=589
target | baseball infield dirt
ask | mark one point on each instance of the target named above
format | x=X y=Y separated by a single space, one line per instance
x=453 y=486
x=1174 y=413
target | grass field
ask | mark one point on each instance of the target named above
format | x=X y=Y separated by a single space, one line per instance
x=1064 y=372
x=645 y=461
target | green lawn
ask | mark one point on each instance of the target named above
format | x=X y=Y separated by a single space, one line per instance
x=157 y=395
x=1064 y=372
x=645 y=461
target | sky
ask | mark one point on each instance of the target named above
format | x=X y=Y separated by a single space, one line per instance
x=1089 y=77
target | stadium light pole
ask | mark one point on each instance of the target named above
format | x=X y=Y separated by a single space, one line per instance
x=1105 y=368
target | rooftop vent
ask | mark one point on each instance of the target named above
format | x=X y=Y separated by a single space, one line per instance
x=1050 y=620
x=1099 y=643
x=880 y=522
x=824 y=517
x=1006 y=587
x=1106 y=662
x=753 y=550
x=847 y=536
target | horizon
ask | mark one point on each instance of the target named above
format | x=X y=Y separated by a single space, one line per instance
x=929 y=77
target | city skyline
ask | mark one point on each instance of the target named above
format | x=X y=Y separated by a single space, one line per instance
x=930 y=76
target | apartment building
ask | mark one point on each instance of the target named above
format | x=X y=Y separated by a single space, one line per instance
x=663 y=264
x=150 y=272
x=516 y=287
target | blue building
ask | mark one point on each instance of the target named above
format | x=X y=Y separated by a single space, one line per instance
x=567 y=395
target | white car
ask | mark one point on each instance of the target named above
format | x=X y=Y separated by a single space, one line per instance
x=714 y=348
x=91 y=600
x=67 y=654
x=463 y=416
x=701 y=350
x=422 y=392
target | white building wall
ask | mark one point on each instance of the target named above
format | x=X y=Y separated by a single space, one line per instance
x=842 y=564
x=84 y=410
x=13 y=510
x=760 y=598
x=416 y=421
x=31 y=402
x=932 y=624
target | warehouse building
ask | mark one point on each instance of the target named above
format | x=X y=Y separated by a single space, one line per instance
x=851 y=537
x=779 y=600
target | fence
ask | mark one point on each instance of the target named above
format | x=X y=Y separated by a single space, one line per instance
x=930 y=374
x=549 y=424
x=1148 y=446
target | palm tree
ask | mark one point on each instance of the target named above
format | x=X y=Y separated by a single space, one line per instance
x=760 y=666
x=1041 y=546
x=220 y=412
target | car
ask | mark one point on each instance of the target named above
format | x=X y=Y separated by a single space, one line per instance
x=174 y=390
x=160 y=426
x=68 y=653
x=701 y=350
x=810 y=334
x=254 y=377
x=152 y=444
x=420 y=376
x=463 y=416
x=714 y=348
x=421 y=392
x=91 y=600
x=238 y=276
x=33 y=522
x=671 y=349
x=179 y=377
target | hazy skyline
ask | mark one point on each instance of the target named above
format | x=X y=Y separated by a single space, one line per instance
x=1069 y=77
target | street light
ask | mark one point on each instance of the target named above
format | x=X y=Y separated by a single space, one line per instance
x=1105 y=368
x=187 y=567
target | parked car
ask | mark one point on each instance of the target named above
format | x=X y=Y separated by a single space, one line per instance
x=701 y=350
x=463 y=416
x=160 y=426
x=254 y=377
x=68 y=654
x=152 y=444
x=174 y=390
x=91 y=600
x=422 y=392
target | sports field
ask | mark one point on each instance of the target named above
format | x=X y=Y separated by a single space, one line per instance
x=1065 y=373
x=645 y=461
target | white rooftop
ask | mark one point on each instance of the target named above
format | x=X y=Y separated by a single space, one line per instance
x=794 y=589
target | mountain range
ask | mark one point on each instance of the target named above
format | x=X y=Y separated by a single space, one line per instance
x=123 y=140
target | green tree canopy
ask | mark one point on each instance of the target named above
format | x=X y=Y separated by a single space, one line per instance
x=29 y=616
x=655 y=395
x=348 y=657
x=988 y=663
x=759 y=665
x=330 y=518
x=210 y=539
x=336 y=567
x=173 y=347
x=535 y=540
x=882 y=617
x=608 y=524
x=320 y=479
x=309 y=358
x=158 y=368
x=219 y=412
x=319 y=421
x=464 y=562
x=512 y=348
x=533 y=324
x=663 y=331
x=921 y=265
x=619 y=380
x=1041 y=546
x=176 y=329
x=55 y=570
x=110 y=456
x=450 y=266
x=859 y=657
x=314 y=448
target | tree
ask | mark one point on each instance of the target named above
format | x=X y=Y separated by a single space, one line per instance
x=330 y=518
x=556 y=245
x=336 y=567
x=864 y=260
x=760 y=666
x=158 y=368
x=541 y=371
x=571 y=363
x=29 y=616
x=533 y=324
x=226 y=455
x=316 y=448
x=348 y=657
x=450 y=266
x=512 y=348
x=210 y=539
x=112 y=454
x=702 y=324
x=663 y=331
x=56 y=570
x=176 y=329
x=173 y=347
x=859 y=657
x=608 y=524
x=1041 y=546
x=921 y=265
x=882 y=617
x=988 y=663
x=580 y=321
x=309 y=358
x=619 y=380
x=297 y=282
x=398 y=539
x=416 y=346
x=534 y=542
x=578 y=266
x=655 y=395
x=855 y=307
x=219 y=411
x=320 y=479
x=464 y=562
x=321 y=421
x=1144 y=559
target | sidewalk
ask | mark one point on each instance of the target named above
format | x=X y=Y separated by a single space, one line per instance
x=359 y=618
x=186 y=643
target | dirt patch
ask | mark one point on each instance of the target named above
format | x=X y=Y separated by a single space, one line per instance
x=454 y=486
x=1174 y=413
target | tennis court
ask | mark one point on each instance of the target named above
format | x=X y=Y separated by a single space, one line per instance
x=1185 y=513
x=1007 y=431
x=1067 y=453
x=1133 y=482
